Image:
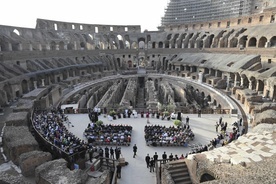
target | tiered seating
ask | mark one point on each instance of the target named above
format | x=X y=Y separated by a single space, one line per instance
x=156 y=135
x=108 y=134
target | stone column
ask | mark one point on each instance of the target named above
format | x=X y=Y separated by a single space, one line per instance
x=42 y=82
x=250 y=84
x=35 y=84
x=241 y=81
x=235 y=80
x=200 y=77
x=257 y=86
x=228 y=82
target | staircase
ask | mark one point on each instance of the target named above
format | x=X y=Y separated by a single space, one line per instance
x=179 y=173
x=140 y=98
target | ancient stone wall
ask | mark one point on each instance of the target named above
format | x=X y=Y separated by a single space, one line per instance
x=18 y=140
x=30 y=160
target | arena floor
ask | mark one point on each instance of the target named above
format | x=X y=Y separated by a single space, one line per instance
x=136 y=171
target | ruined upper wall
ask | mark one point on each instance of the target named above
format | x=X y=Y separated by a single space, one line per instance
x=93 y=28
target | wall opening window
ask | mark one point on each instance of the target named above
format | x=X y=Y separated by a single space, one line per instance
x=261 y=18
x=239 y=21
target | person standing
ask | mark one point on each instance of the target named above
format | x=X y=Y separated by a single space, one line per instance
x=155 y=157
x=164 y=157
x=152 y=165
x=171 y=157
x=148 y=160
x=119 y=168
x=134 y=150
x=217 y=125
x=111 y=153
x=117 y=153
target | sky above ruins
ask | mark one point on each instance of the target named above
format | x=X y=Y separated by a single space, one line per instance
x=146 y=13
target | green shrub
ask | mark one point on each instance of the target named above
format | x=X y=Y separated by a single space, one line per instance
x=99 y=122
x=177 y=122
x=112 y=113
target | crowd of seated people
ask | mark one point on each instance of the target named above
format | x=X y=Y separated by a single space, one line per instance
x=156 y=135
x=105 y=134
x=51 y=126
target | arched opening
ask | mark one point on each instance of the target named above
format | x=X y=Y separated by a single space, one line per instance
x=53 y=46
x=82 y=46
x=134 y=45
x=70 y=46
x=262 y=42
x=233 y=42
x=242 y=42
x=8 y=90
x=260 y=85
x=61 y=45
x=167 y=44
x=129 y=63
x=206 y=177
x=160 y=45
x=24 y=86
x=252 y=42
x=273 y=41
x=119 y=62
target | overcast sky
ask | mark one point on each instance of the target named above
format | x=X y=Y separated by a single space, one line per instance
x=23 y=13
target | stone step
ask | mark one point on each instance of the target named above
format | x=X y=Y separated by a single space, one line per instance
x=178 y=170
x=182 y=174
x=183 y=182
x=177 y=167
x=182 y=179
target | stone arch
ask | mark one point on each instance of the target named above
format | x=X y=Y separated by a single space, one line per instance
x=129 y=63
x=233 y=42
x=167 y=44
x=242 y=41
x=245 y=81
x=200 y=44
x=119 y=62
x=64 y=74
x=252 y=42
x=2 y=98
x=209 y=41
x=141 y=43
x=273 y=41
x=24 y=86
x=160 y=45
x=153 y=45
x=127 y=44
x=169 y=36
x=16 y=46
x=206 y=177
x=262 y=42
x=82 y=46
x=260 y=85
x=53 y=45
x=61 y=45
x=8 y=90
x=134 y=45
x=4 y=45
x=121 y=42
x=70 y=46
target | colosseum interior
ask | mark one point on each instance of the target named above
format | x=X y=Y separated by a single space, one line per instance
x=112 y=66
